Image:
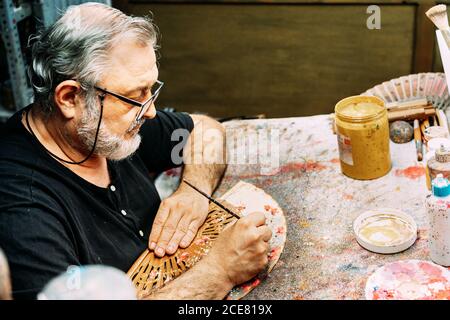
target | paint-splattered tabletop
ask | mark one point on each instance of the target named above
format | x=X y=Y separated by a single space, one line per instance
x=321 y=258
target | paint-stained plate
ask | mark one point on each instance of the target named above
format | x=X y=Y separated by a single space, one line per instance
x=385 y=230
x=409 y=280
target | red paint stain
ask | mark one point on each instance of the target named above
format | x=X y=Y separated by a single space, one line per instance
x=273 y=253
x=293 y=167
x=184 y=256
x=433 y=271
x=348 y=196
x=413 y=172
x=383 y=294
x=280 y=230
x=335 y=160
x=300 y=166
x=268 y=208
x=249 y=285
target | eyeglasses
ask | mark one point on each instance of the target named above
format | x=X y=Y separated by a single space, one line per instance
x=143 y=105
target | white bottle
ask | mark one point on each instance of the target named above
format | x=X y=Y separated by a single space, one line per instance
x=438 y=207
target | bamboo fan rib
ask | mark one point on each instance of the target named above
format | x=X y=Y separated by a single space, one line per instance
x=431 y=86
x=150 y=272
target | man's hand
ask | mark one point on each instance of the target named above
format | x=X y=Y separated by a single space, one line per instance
x=241 y=251
x=177 y=221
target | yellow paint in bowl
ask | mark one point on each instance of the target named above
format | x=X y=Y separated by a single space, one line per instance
x=385 y=230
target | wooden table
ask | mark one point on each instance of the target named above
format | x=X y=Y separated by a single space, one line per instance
x=321 y=259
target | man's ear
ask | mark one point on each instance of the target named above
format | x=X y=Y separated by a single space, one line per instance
x=67 y=98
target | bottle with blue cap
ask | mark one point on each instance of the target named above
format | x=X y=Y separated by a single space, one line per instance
x=438 y=208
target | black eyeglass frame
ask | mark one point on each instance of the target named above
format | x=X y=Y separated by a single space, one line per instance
x=134 y=102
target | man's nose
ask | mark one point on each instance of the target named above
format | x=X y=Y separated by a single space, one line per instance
x=151 y=112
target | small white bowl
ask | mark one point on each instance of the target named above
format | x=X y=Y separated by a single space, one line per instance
x=382 y=222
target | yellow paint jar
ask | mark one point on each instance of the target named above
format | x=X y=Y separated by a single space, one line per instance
x=362 y=129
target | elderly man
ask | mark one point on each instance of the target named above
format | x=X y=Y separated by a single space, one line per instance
x=74 y=166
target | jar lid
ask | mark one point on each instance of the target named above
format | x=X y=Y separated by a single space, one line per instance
x=440 y=186
x=385 y=230
x=359 y=108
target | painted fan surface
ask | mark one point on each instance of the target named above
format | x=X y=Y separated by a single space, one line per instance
x=149 y=272
x=432 y=86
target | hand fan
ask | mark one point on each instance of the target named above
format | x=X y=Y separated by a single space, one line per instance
x=149 y=272
x=414 y=87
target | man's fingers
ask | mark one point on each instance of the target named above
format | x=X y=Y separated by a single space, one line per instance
x=158 y=223
x=190 y=234
x=257 y=218
x=266 y=233
x=168 y=231
x=180 y=232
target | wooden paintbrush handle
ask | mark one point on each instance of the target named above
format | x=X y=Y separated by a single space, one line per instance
x=418 y=140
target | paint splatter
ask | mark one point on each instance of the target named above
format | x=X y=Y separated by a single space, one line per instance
x=303 y=286
x=413 y=172
x=270 y=209
x=202 y=241
x=300 y=166
x=409 y=280
x=348 y=196
x=273 y=253
x=184 y=256
x=335 y=160
x=304 y=223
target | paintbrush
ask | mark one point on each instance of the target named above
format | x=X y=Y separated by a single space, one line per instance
x=418 y=140
x=212 y=200
x=438 y=15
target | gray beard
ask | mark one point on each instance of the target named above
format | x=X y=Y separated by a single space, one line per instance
x=108 y=145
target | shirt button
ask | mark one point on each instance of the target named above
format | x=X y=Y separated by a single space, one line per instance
x=141 y=233
x=123 y=212
x=113 y=188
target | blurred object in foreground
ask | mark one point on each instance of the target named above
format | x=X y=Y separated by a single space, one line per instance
x=5 y=280
x=92 y=282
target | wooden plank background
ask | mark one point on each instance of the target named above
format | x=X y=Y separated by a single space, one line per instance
x=281 y=60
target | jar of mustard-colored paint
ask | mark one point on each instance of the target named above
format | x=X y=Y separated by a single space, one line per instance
x=362 y=129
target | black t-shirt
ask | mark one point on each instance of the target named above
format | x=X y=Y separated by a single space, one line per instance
x=50 y=218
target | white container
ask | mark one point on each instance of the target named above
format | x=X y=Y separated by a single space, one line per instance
x=385 y=230
x=438 y=207
x=435 y=143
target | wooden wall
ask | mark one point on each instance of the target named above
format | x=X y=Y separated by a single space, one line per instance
x=232 y=58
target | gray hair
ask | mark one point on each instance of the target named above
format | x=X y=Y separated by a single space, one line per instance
x=76 y=47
